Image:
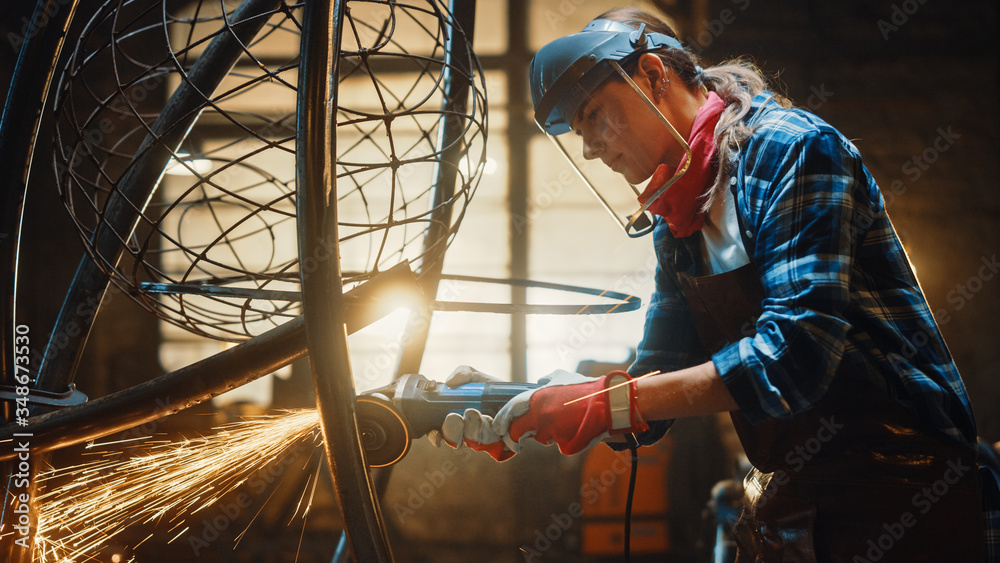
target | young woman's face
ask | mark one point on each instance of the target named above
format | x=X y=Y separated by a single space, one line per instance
x=620 y=129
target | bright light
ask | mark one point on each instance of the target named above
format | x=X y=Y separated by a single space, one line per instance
x=489 y=165
x=183 y=165
x=403 y=298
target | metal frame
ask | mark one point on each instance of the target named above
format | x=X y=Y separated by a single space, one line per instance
x=322 y=289
x=456 y=92
x=18 y=134
x=329 y=314
x=121 y=215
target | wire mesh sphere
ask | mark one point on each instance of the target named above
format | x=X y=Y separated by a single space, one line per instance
x=175 y=150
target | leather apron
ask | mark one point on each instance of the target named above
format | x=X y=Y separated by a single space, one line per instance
x=856 y=478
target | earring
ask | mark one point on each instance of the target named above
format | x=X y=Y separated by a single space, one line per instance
x=663 y=87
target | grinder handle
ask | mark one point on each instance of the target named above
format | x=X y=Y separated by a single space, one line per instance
x=499 y=393
x=426 y=406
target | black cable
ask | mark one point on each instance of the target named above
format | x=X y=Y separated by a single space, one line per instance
x=633 y=446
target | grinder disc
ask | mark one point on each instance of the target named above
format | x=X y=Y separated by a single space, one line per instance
x=384 y=433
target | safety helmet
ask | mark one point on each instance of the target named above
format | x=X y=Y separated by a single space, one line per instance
x=564 y=72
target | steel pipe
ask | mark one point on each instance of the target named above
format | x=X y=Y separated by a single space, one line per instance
x=190 y=385
x=322 y=294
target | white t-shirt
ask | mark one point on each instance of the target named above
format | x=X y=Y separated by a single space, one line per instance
x=722 y=246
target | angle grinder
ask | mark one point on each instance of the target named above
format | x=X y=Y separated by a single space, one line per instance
x=390 y=417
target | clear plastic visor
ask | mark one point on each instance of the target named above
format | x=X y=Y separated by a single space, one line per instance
x=617 y=138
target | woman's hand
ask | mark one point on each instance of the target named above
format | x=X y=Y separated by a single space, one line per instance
x=471 y=429
x=571 y=410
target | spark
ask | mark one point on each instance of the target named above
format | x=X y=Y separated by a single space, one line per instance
x=168 y=482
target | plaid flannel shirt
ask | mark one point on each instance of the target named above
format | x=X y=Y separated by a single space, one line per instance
x=838 y=287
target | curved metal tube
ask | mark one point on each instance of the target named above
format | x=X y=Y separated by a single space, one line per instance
x=26 y=97
x=322 y=289
x=457 y=73
x=19 y=123
x=202 y=380
x=166 y=394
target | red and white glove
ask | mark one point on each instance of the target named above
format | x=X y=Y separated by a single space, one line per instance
x=472 y=429
x=543 y=413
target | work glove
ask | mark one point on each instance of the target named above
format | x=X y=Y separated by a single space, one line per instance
x=471 y=429
x=571 y=410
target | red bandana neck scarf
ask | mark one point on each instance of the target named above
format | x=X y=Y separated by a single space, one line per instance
x=680 y=204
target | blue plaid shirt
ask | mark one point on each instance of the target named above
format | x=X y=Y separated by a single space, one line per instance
x=837 y=282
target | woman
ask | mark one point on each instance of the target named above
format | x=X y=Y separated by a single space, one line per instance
x=783 y=296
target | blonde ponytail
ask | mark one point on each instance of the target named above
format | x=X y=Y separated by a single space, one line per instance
x=736 y=82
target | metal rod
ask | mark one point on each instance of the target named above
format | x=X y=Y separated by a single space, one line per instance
x=19 y=125
x=166 y=394
x=341 y=555
x=624 y=302
x=322 y=295
x=518 y=135
x=136 y=187
x=457 y=81
x=212 y=376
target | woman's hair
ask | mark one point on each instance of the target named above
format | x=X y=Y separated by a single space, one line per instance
x=736 y=82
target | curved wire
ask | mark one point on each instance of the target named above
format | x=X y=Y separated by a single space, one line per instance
x=232 y=225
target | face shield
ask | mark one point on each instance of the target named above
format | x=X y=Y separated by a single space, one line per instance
x=611 y=134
